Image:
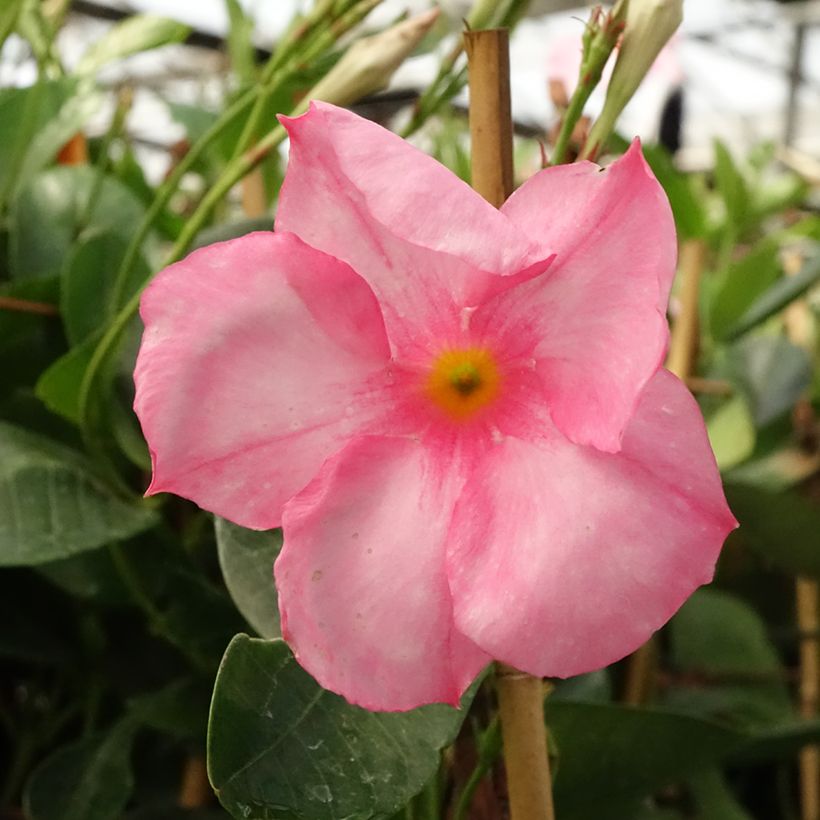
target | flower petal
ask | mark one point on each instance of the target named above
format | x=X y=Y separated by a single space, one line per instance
x=260 y=357
x=598 y=315
x=424 y=240
x=563 y=559
x=362 y=587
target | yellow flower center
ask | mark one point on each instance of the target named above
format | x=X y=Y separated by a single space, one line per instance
x=463 y=381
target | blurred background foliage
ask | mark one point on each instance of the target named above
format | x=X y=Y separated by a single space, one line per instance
x=115 y=611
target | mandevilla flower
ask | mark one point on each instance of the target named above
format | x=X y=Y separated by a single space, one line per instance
x=458 y=415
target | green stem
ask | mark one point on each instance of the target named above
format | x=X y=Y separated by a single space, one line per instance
x=488 y=752
x=169 y=187
x=236 y=169
x=599 y=39
x=570 y=120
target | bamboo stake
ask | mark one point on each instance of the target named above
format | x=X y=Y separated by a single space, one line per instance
x=520 y=696
x=254 y=201
x=490 y=114
x=798 y=323
x=195 y=790
x=680 y=361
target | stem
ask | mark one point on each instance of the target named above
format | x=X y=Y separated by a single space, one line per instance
x=27 y=306
x=489 y=749
x=521 y=708
x=520 y=696
x=599 y=39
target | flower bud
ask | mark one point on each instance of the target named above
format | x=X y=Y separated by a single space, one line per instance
x=369 y=63
x=649 y=26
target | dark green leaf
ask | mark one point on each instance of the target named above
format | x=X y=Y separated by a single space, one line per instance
x=782 y=293
x=246 y=558
x=86 y=297
x=87 y=780
x=608 y=753
x=90 y=575
x=783 y=527
x=713 y=798
x=279 y=746
x=53 y=505
x=727 y=665
x=179 y=709
x=781 y=742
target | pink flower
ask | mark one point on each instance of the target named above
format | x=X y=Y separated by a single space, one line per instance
x=457 y=414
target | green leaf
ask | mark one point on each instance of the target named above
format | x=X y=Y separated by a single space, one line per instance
x=687 y=207
x=609 y=754
x=744 y=281
x=24 y=112
x=70 y=119
x=783 y=527
x=772 y=373
x=714 y=799
x=58 y=387
x=89 y=575
x=778 y=296
x=53 y=505
x=731 y=432
x=246 y=558
x=279 y=746
x=86 y=298
x=240 y=43
x=780 y=742
x=728 y=665
x=137 y=33
x=180 y=709
x=55 y=208
x=87 y=780
x=732 y=187
x=9 y=11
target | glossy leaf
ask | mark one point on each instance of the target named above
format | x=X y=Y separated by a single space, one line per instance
x=87 y=780
x=246 y=557
x=138 y=33
x=280 y=746
x=53 y=505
